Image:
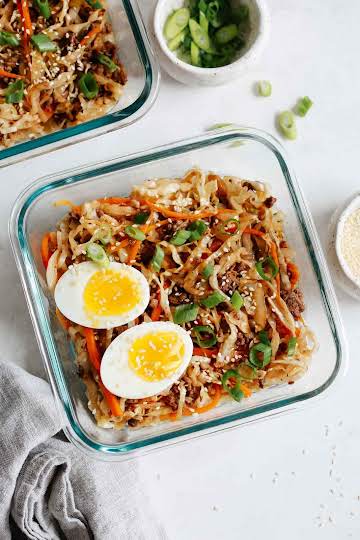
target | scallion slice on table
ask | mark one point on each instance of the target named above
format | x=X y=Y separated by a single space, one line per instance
x=291 y=346
x=208 y=271
x=269 y=261
x=287 y=125
x=43 y=8
x=236 y=300
x=43 y=43
x=303 y=106
x=176 y=22
x=260 y=361
x=135 y=233
x=107 y=62
x=97 y=254
x=180 y=237
x=205 y=336
x=9 y=38
x=264 y=88
x=15 y=92
x=157 y=259
x=213 y=299
x=185 y=313
x=141 y=218
x=88 y=85
x=234 y=390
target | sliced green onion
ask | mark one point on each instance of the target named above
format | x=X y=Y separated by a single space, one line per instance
x=231 y=226
x=43 y=43
x=237 y=300
x=263 y=336
x=141 y=218
x=234 y=391
x=97 y=254
x=8 y=38
x=107 y=62
x=175 y=42
x=213 y=299
x=43 y=8
x=202 y=5
x=104 y=234
x=264 y=88
x=197 y=229
x=226 y=34
x=185 y=313
x=15 y=92
x=199 y=36
x=249 y=373
x=176 y=22
x=213 y=14
x=292 y=346
x=241 y=13
x=95 y=4
x=88 y=85
x=208 y=341
x=223 y=125
x=304 y=104
x=135 y=233
x=287 y=125
x=263 y=349
x=180 y=237
x=269 y=261
x=157 y=259
x=208 y=271
x=204 y=23
x=195 y=54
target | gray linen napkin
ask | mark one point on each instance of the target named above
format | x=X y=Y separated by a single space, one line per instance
x=52 y=490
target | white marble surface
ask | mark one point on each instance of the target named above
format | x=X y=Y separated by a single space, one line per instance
x=274 y=479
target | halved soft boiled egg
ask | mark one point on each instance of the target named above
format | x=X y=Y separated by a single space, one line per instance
x=102 y=297
x=146 y=359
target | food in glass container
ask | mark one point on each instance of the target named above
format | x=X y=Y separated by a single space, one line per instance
x=58 y=66
x=178 y=296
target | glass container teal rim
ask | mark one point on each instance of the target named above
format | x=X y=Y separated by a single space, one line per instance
x=47 y=346
x=108 y=122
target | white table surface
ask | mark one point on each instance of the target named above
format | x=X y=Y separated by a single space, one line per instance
x=292 y=477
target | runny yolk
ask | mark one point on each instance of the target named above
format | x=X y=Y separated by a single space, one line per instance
x=111 y=293
x=156 y=356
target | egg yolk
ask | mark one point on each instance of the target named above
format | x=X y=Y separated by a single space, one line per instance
x=111 y=293
x=156 y=356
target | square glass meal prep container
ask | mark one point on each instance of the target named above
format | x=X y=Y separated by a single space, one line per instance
x=242 y=152
x=139 y=93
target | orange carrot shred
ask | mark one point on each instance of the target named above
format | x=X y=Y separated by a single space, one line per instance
x=4 y=73
x=90 y=35
x=45 y=249
x=112 y=401
x=94 y=353
x=65 y=323
x=294 y=274
x=276 y=261
x=123 y=201
x=254 y=232
x=179 y=215
x=209 y=353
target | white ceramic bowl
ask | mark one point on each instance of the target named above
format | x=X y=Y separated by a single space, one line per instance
x=192 y=75
x=351 y=206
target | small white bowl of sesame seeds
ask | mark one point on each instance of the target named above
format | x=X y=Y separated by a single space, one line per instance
x=347 y=240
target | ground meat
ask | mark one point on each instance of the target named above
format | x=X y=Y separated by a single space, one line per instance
x=147 y=251
x=179 y=296
x=269 y=202
x=241 y=349
x=230 y=280
x=172 y=400
x=167 y=231
x=295 y=301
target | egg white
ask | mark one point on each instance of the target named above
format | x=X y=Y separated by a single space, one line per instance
x=121 y=380
x=69 y=292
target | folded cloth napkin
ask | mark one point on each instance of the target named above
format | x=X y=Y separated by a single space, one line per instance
x=51 y=490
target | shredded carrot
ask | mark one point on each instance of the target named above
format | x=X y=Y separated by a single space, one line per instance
x=294 y=274
x=274 y=255
x=4 y=73
x=45 y=249
x=123 y=201
x=245 y=390
x=93 y=32
x=120 y=245
x=65 y=323
x=187 y=412
x=94 y=353
x=112 y=401
x=283 y=330
x=297 y=332
x=254 y=232
x=179 y=215
x=65 y=202
x=209 y=353
x=227 y=211
x=133 y=251
x=156 y=225
x=23 y=9
x=156 y=312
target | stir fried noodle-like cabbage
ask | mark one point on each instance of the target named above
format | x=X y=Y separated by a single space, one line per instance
x=44 y=53
x=241 y=249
